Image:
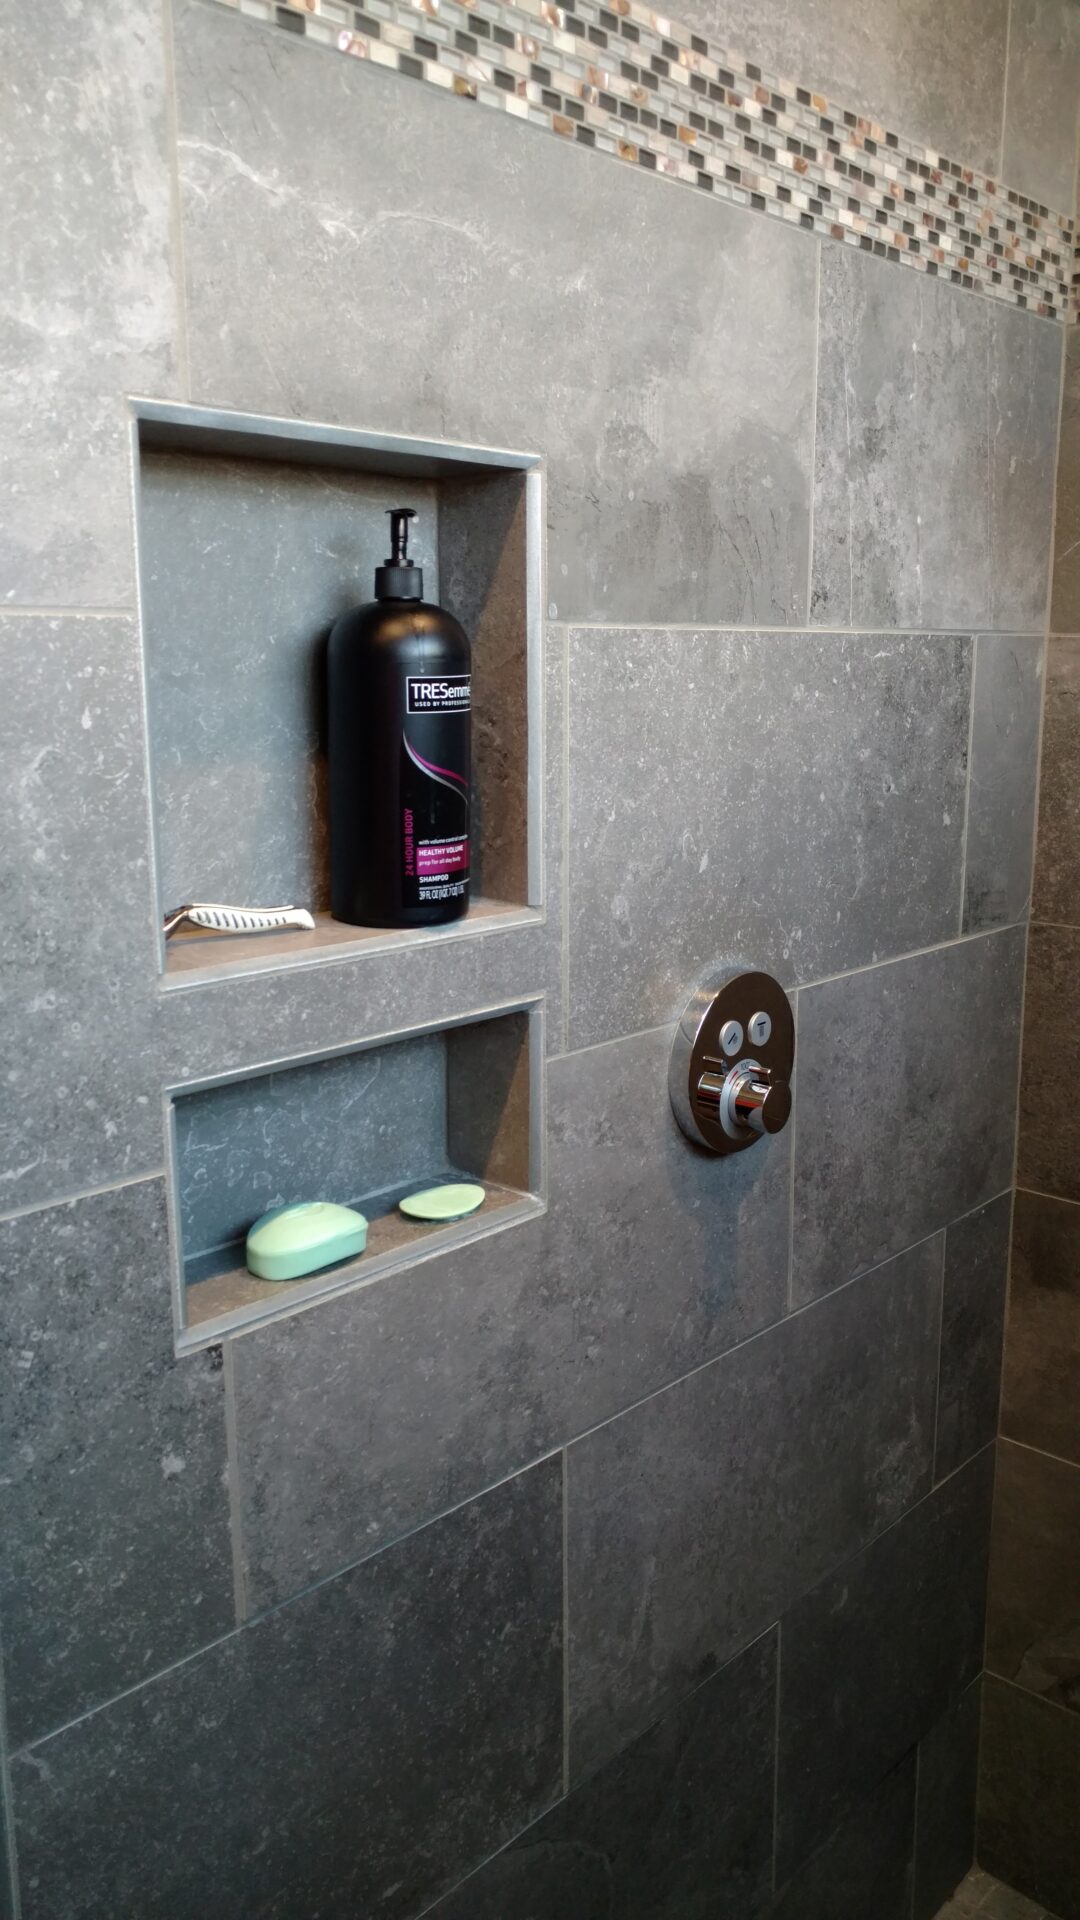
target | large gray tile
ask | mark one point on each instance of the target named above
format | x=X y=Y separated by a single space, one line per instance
x=1049 y=1152
x=356 y=1752
x=887 y=58
x=1024 y=357
x=1065 y=597
x=798 y=799
x=1057 y=868
x=1029 y=1787
x=697 y=1517
x=904 y=1103
x=113 y=1505
x=1006 y=705
x=900 y=498
x=936 y=427
x=864 y=1867
x=88 y=311
x=667 y=1255
x=1040 y=1403
x=659 y=350
x=1042 y=88
x=972 y=1325
x=875 y=1654
x=1033 y=1636
x=75 y=898
x=945 y=1817
x=678 y=1827
x=389 y=1406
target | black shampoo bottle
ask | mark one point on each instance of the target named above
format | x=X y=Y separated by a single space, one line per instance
x=398 y=703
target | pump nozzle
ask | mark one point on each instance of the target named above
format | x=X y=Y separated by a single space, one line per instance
x=397 y=578
x=399 y=535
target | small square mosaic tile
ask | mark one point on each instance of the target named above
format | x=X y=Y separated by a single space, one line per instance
x=981 y=1896
x=641 y=88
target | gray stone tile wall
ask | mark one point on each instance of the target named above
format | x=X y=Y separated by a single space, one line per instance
x=470 y=1587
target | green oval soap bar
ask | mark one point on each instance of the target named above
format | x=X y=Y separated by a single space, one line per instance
x=451 y=1202
x=288 y=1242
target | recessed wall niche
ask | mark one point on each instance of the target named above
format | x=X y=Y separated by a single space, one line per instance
x=253 y=535
x=364 y=1128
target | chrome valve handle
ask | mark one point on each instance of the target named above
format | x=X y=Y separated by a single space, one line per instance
x=760 y=1102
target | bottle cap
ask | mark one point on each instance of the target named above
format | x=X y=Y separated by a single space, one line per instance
x=397 y=578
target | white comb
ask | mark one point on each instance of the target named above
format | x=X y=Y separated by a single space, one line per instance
x=219 y=919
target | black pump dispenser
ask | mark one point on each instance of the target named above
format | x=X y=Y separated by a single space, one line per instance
x=397 y=578
x=398 y=706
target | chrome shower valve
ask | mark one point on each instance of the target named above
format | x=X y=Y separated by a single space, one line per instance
x=725 y=1102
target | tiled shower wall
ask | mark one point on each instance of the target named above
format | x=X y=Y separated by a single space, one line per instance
x=1030 y=1788
x=631 y=1562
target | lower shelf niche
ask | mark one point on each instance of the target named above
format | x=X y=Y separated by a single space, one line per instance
x=364 y=1128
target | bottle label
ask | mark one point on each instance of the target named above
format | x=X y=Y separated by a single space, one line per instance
x=451 y=694
x=435 y=790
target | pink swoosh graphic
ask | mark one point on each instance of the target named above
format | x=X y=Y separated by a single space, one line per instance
x=430 y=767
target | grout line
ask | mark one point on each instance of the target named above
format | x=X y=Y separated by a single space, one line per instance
x=7 y=1809
x=1051 y=559
x=776 y=1752
x=232 y=1456
x=566 y=1617
x=988 y=388
x=1036 y=1193
x=9 y=611
x=822 y=980
x=760 y=1333
x=915 y=1830
x=614 y=1040
x=976 y=650
x=1007 y=1312
x=84 y=1193
x=1042 y=1699
x=916 y=953
x=790 y=1296
x=940 y=1332
x=802 y=630
x=176 y=227
x=1044 y=1453
x=436 y=1905
x=565 y=845
x=813 y=435
x=1005 y=93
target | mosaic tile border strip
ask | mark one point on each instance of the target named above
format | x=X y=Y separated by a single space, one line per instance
x=617 y=77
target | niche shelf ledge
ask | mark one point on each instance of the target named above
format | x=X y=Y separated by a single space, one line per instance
x=234 y=1300
x=196 y=959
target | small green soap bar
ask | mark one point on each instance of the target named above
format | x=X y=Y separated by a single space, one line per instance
x=451 y=1202
x=288 y=1242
